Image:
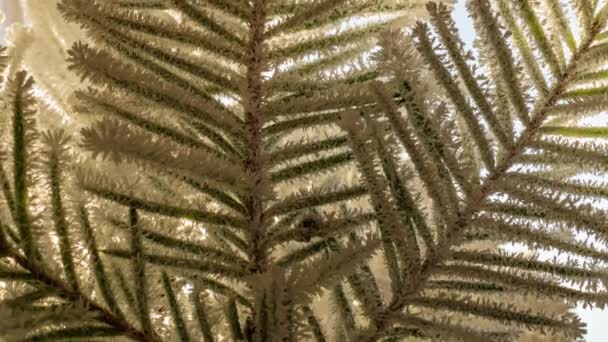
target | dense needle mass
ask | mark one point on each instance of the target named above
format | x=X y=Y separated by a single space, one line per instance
x=322 y=170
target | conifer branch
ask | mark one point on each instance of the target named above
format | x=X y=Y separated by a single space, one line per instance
x=165 y=209
x=448 y=33
x=21 y=125
x=63 y=290
x=316 y=166
x=204 y=20
x=186 y=264
x=233 y=111
x=488 y=24
x=3 y=58
x=498 y=312
x=428 y=173
x=300 y=17
x=538 y=34
x=539 y=114
x=522 y=43
x=56 y=142
x=175 y=310
x=7 y=191
x=139 y=273
x=440 y=329
x=233 y=319
x=201 y=315
x=314 y=323
x=444 y=77
x=103 y=281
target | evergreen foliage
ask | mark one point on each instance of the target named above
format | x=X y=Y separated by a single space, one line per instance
x=259 y=171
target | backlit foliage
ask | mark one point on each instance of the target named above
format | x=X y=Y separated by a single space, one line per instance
x=273 y=170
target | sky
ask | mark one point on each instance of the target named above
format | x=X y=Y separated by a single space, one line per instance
x=597 y=322
x=5 y=11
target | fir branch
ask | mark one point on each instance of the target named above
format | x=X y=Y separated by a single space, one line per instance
x=525 y=233
x=21 y=103
x=449 y=34
x=329 y=272
x=407 y=246
x=126 y=291
x=56 y=142
x=538 y=34
x=7 y=191
x=522 y=43
x=139 y=273
x=429 y=174
x=345 y=312
x=63 y=290
x=94 y=65
x=528 y=284
x=203 y=251
x=299 y=123
x=581 y=217
x=98 y=100
x=201 y=315
x=388 y=218
x=316 y=67
x=573 y=187
x=182 y=263
x=584 y=12
x=302 y=16
x=325 y=43
x=103 y=281
x=116 y=141
x=301 y=149
x=540 y=112
x=282 y=76
x=313 y=322
x=165 y=209
x=215 y=193
x=424 y=126
x=318 y=105
x=366 y=292
x=559 y=16
x=222 y=289
x=148 y=4
x=315 y=197
x=576 y=132
x=590 y=76
x=232 y=315
x=75 y=332
x=206 y=21
x=404 y=202
x=489 y=27
x=149 y=57
x=500 y=313
x=465 y=286
x=302 y=254
x=239 y=9
x=15 y=275
x=323 y=164
x=175 y=310
x=522 y=263
x=28 y=298
x=3 y=58
x=105 y=15
x=444 y=77
x=453 y=332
